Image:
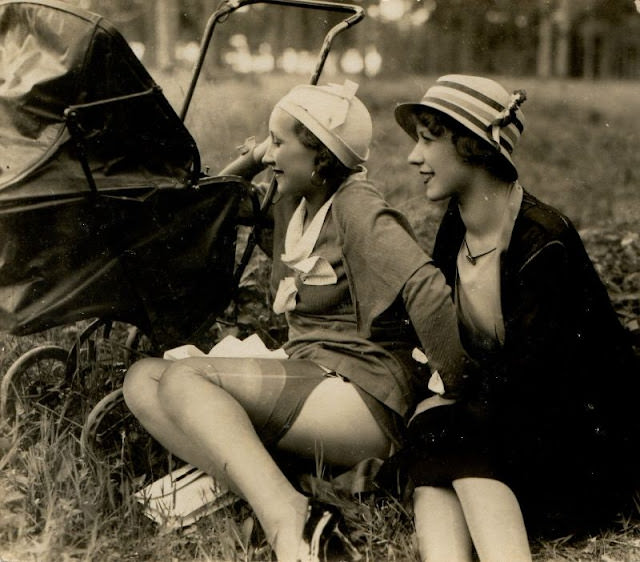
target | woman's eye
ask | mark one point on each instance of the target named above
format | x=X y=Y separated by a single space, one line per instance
x=275 y=141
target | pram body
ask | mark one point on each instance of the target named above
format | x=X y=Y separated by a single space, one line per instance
x=103 y=208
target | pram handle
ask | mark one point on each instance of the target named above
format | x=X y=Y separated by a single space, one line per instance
x=229 y=6
x=357 y=13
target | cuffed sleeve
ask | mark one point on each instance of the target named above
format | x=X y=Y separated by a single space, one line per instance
x=428 y=301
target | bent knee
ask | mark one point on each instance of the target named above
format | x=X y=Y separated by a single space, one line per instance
x=179 y=376
x=141 y=382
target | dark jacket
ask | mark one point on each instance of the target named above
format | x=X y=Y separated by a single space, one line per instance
x=560 y=327
x=560 y=396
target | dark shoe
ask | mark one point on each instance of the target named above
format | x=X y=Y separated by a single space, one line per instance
x=321 y=536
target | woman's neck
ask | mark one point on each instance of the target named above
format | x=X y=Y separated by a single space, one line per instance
x=482 y=208
x=313 y=204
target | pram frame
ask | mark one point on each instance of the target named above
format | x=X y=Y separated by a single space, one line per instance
x=72 y=117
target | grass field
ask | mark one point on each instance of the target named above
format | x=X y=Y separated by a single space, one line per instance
x=579 y=153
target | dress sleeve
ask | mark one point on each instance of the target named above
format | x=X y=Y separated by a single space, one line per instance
x=384 y=261
x=247 y=167
x=428 y=301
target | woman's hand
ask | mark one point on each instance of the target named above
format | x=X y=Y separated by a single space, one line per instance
x=249 y=164
x=259 y=150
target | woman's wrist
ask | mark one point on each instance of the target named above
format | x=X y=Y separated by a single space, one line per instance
x=259 y=150
x=249 y=163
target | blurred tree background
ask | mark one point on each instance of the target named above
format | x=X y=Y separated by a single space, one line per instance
x=595 y=39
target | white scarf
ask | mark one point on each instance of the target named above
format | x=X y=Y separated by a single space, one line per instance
x=298 y=245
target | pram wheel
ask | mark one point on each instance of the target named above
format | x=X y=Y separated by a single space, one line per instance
x=112 y=437
x=36 y=380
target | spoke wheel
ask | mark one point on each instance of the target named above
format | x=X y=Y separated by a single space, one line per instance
x=112 y=438
x=35 y=381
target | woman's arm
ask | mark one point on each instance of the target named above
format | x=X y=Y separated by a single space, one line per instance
x=384 y=261
x=249 y=164
x=429 y=303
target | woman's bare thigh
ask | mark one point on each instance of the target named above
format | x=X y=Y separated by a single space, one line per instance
x=336 y=425
x=334 y=422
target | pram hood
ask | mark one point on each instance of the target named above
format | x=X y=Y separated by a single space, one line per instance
x=142 y=244
x=52 y=56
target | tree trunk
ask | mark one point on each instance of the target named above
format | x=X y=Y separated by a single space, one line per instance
x=562 y=51
x=166 y=32
x=545 y=47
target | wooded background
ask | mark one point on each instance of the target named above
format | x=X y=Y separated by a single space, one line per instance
x=594 y=39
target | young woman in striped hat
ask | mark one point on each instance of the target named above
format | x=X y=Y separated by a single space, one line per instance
x=545 y=428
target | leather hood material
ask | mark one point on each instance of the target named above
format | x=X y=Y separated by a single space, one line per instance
x=145 y=246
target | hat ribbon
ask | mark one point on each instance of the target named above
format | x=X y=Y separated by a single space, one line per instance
x=506 y=116
x=346 y=92
x=334 y=112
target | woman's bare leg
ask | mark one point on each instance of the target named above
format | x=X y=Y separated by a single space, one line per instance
x=217 y=424
x=336 y=424
x=140 y=390
x=208 y=422
x=441 y=528
x=494 y=520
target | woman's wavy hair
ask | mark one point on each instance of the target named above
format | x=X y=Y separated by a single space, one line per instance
x=472 y=150
x=329 y=170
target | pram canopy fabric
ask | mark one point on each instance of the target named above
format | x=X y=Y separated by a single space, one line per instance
x=131 y=236
x=53 y=56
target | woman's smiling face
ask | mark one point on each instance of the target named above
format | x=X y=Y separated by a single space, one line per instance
x=443 y=170
x=293 y=163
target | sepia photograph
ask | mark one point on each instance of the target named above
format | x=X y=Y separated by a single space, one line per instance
x=319 y=281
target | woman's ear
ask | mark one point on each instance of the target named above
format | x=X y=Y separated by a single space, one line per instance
x=316 y=178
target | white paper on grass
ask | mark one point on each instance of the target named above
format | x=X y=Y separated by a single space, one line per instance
x=182 y=497
x=229 y=346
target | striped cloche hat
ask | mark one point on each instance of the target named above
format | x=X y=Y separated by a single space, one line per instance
x=482 y=105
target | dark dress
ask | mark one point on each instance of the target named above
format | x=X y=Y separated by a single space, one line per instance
x=553 y=413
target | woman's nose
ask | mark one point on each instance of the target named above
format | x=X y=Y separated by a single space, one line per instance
x=415 y=156
x=267 y=159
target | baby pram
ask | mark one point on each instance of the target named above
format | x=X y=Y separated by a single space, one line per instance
x=105 y=212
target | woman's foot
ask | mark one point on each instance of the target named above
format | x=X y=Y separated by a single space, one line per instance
x=287 y=535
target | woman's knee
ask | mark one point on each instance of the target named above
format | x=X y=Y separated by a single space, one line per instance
x=180 y=378
x=141 y=383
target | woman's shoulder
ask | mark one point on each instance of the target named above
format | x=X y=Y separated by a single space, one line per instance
x=537 y=214
x=540 y=224
x=357 y=186
x=542 y=230
x=358 y=198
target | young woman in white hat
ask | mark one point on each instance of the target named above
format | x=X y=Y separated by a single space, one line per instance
x=548 y=415
x=345 y=270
